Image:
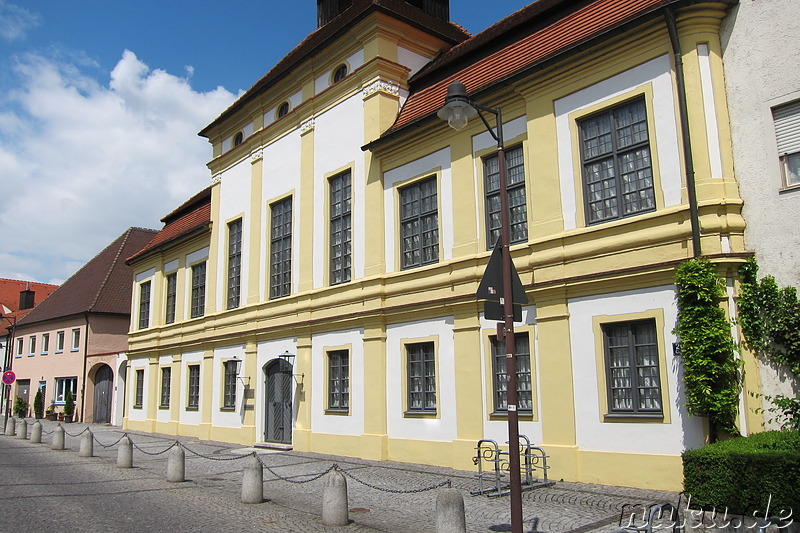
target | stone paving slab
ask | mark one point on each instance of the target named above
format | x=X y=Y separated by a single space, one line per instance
x=376 y=494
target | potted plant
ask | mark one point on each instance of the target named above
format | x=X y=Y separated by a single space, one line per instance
x=20 y=407
x=69 y=407
x=52 y=414
x=38 y=404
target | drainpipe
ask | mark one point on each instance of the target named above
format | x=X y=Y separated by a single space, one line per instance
x=669 y=16
x=85 y=355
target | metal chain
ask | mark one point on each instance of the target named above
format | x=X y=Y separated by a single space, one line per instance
x=110 y=445
x=447 y=483
x=298 y=482
x=176 y=443
x=77 y=434
x=234 y=458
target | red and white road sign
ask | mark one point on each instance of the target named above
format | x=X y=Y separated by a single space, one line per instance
x=9 y=377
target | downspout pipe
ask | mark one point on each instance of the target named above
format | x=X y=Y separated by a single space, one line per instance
x=669 y=16
x=85 y=356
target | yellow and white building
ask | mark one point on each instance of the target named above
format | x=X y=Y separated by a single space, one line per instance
x=346 y=228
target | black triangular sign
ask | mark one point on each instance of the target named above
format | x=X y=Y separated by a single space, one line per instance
x=491 y=285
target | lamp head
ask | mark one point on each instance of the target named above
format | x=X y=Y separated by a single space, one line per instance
x=458 y=108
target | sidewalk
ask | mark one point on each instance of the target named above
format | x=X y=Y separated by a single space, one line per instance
x=382 y=496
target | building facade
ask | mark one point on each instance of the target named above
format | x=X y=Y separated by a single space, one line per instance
x=75 y=340
x=761 y=41
x=328 y=300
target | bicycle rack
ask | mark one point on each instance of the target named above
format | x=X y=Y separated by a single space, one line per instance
x=494 y=480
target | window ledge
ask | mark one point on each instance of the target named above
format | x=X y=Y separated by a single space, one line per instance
x=135 y=406
x=192 y=408
x=163 y=406
x=503 y=415
x=789 y=188
x=630 y=417
x=419 y=414
x=228 y=409
x=338 y=412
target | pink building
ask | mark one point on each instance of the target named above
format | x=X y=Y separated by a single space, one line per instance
x=76 y=339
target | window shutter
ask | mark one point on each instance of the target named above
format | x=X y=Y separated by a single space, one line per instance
x=787 y=127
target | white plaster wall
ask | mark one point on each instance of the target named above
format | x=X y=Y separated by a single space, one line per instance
x=266 y=353
x=658 y=73
x=681 y=433
x=412 y=60
x=497 y=430
x=353 y=422
x=280 y=176
x=338 y=137
x=141 y=277
x=138 y=415
x=760 y=43
x=163 y=415
x=422 y=167
x=234 y=202
x=219 y=418
x=354 y=61
x=121 y=384
x=294 y=100
x=192 y=418
x=443 y=427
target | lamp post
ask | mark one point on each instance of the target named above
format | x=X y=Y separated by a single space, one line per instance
x=457 y=111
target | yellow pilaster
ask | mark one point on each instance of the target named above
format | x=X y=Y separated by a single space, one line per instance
x=151 y=390
x=207 y=399
x=557 y=394
x=302 y=365
x=375 y=442
x=250 y=374
x=468 y=380
x=465 y=238
x=256 y=239
x=545 y=215
x=213 y=251
x=175 y=391
x=306 y=206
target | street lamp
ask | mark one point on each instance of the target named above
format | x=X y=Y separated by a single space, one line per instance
x=457 y=111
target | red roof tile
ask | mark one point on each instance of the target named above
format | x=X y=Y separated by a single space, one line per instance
x=103 y=285
x=550 y=37
x=9 y=297
x=193 y=215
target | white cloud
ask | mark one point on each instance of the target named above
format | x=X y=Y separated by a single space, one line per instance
x=81 y=161
x=15 y=21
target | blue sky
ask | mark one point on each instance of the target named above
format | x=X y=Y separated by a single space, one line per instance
x=101 y=102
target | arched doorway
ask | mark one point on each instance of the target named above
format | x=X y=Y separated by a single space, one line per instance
x=278 y=408
x=103 y=388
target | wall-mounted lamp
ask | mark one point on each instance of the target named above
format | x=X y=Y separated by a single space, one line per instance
x=237 y=365
x=288 y=358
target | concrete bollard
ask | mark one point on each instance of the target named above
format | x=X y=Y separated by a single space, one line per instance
x=176 y=465
x=87 y=444
x=253 y=481
x=22 y=429
x=36 y=433
x=450 y=516
x=58 y=439
x=11 y=426
x=125 y=453
x=334 y=500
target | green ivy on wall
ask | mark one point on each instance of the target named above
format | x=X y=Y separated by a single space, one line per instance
x=770 y=320
x=712 y=374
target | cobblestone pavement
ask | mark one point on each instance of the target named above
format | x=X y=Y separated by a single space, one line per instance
x=140 y=499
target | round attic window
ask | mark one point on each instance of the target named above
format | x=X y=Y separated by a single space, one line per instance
x=238 y=139
x=339 y=73
x=283 y=109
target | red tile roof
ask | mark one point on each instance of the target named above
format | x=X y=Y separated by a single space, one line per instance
x=9 y=297
x=191 y=216
x=103 y=285
x=317 y=40
x=493 y=56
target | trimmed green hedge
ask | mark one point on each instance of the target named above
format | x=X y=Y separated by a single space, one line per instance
x=741 y=473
